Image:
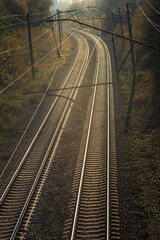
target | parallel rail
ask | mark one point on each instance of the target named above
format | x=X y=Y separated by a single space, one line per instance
x=91 y=210
x=17 y=195
x=91 y=205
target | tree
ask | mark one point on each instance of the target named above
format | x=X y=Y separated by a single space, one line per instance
x=76 y=6
x=24 y=6
x=39 y=6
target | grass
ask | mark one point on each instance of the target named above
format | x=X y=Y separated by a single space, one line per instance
x=141 y=164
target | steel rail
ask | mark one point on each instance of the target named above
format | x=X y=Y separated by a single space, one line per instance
x=45 y=92
x=48 y=151
x=85 y=153
x=109 y=74
x=108 y=150
x=38 y=132
x=79 y=78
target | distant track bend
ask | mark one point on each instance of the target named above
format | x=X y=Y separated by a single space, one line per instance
x=94 y=205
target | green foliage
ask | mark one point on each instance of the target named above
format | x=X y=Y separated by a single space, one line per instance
x=139 y=147
x=39 y=6
x=24 y=6
x=100 y=3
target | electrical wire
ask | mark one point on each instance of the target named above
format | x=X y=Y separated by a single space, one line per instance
x=126 y=11
x=11 y=25
x=153 y=7
x=25 y=43
x=21 y=20
x=114 y=11
x=20 y=53
x=36 y=20
x=108 y=32
x=21 y=23
x=19 y=15
x=39 y=19
x=131 y=10
x=24 y=73
x=150 y=21
x=34 y=114
x=10 y=16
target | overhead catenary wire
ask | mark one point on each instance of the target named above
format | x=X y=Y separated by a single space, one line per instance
x=114 y=11
x=131 y=10
x=20 y=15
x=106 y=31
x=22 y=52
x=152 y=7
x=34 y=114
x=149 y=20
x=36 y=20
x=11 y=25
x=25 y=43
x=126 y=11
x=157 y=25
x=21 y=22
x=24 y=73
x=10 y=16
x=31 y=120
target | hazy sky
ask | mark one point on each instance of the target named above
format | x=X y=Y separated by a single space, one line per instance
x=67 y=1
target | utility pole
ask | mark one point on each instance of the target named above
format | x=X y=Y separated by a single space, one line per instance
x=120 y=19
x=58 y=53
x=92 y=17
x=114 y=52
x=30 y=46
x=113 y=18
x=59 y=27
x=91 y=14
x=130 y=36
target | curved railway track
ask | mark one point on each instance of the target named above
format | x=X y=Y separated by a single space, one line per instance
x=94 y=205
x=94 y=214
x=17 y=195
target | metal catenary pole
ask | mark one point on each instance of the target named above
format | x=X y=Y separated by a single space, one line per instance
x=30 y=46
x=58 y=53
x=59 y=27
x=114 y=52
x=130 y=36
x=113 y=18
x=92 y=16
x=120 y=19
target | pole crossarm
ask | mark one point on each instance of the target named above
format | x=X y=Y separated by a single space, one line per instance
x=105 y=31
x=48 y=18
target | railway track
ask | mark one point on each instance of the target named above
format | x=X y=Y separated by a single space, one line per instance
x=94 y=206
x=18 y=194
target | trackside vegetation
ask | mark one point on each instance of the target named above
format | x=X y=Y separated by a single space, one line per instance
x=17 y=103
x=138 y=122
